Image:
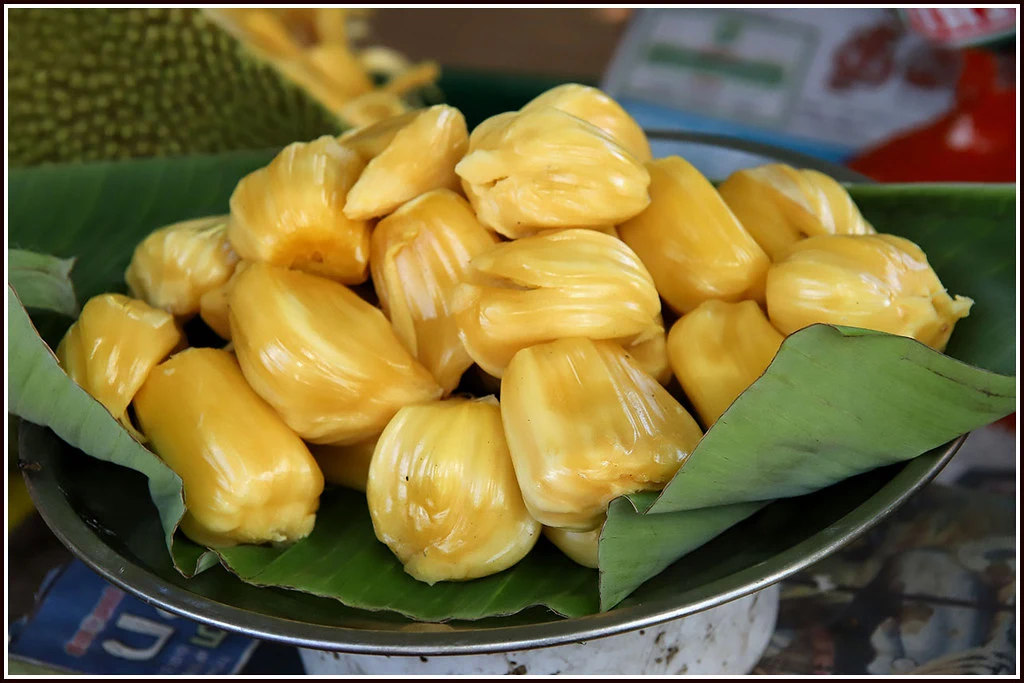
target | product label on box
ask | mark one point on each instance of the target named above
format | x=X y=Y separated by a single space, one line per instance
x=82 y=624
x=824 y=81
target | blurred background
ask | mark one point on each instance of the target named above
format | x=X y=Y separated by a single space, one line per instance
x=920 y=94
x=926 y=94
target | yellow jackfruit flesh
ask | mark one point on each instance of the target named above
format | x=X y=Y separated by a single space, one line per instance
x=443 y=494
x=372 y=108
x=596 y=108
x=652 y=354
x=290 y=213
x=113 y=346
x=692 y=244
x=342 y=73
x=175 y=266
x=405 y=157
x=567 y=283
x=779 y=205
x=542 y=168
x=247 y=478
x=585 y=425
x=418 y=255
x=347 y=466
x=717 y=350
x=876 y=282
x=579 y=546
x=213 y=305
x=327 y=361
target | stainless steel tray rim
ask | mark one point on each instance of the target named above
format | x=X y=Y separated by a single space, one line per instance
x=429 y=639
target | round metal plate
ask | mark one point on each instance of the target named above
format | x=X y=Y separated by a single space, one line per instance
x=93 y=507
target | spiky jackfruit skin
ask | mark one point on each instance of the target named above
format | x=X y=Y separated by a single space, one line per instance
x=105 y=84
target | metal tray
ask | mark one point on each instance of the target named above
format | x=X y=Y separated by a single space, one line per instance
x=92 y=507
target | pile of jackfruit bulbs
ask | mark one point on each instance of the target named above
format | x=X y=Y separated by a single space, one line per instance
x=533 y=257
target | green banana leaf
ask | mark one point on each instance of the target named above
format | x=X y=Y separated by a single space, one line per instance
x=40 y=392
x=828 y=425
x=967 y=230
x=636 y=546
x=42 y=282
x=343 y=559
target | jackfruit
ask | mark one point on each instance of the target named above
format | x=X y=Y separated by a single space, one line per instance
x=173 y=267
x=443 y=495
x=106 y=83
x=778 y=205
x=419 y=254
x=289 y=213
x=213 y=305
x=347 y=466
x=247 y=478
x=652 y=353
x=372 y=108
x=585 y=425
x=112 y=347
x=692 y=244
x=565 y=283
x=579 y=546
x=405 y=157
x=876 y=282
x=595 y=107
x=717 y=350
x=542 y=168
x=327 y=361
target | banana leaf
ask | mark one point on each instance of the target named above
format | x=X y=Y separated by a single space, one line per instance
x=42 y=282
x=967 y=231
x=41 y=393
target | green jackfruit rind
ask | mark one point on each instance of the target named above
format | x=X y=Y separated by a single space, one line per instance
x=105 y=84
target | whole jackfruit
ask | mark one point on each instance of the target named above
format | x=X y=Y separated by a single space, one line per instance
x=327 y=361
x=717 y=350
x=566 y=283
x=112 y=347
x=290 y=213
x=876 y=282
x=692 y=244
x=419 y=254
x=443 y=495
x=175 y=266
x=105 y=83
x=247 y=478
x=779 y=205
x=542 y=168
x=585 y=424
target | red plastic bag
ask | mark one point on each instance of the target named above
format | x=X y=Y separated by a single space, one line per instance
x=976 y=142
